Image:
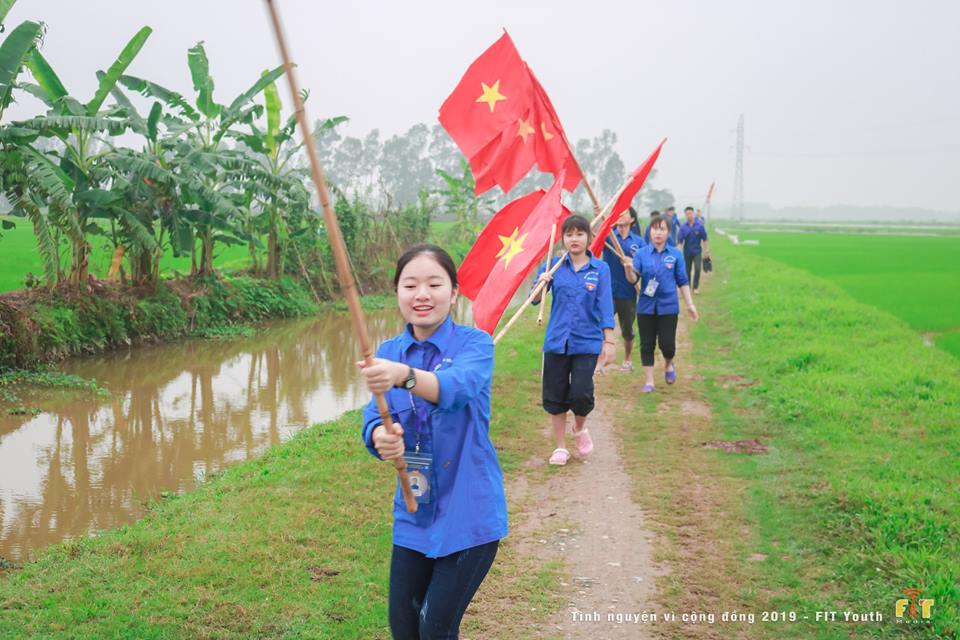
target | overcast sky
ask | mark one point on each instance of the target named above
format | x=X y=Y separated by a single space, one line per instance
x=845 y=102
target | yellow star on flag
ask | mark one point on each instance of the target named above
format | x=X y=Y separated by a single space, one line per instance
x=491 y=95
x=524 y=129
x=512 y=245
x=546 y=134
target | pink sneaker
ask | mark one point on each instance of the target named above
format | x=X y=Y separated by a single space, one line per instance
x=584 y=442
x=559 y=457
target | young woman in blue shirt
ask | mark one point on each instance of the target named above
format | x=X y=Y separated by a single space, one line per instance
x=579 y=332
x=436 y=376
x=624 y=293
x=660 y=270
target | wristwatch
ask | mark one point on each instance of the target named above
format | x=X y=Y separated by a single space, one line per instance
x=411 y=380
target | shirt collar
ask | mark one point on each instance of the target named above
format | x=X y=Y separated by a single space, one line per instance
x=590 y=263
x=440 y=338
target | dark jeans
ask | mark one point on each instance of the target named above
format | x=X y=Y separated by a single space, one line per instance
x=626 y=310
x=568 y=383
x=429 y=595
x=655 y=328
x=696 y=261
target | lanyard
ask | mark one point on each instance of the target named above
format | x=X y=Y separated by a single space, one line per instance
x=418 y=419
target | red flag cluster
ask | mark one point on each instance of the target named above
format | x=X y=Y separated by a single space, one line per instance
x=501 y=118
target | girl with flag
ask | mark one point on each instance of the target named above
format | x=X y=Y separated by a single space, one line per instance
x=660 y=270
x=579 y=332
x=436 y=376
x=624 y=293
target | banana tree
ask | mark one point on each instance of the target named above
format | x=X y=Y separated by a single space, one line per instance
x=273 y=180
x=14 y=51
x=195 y=141
x=73 y=174
x=150 y=186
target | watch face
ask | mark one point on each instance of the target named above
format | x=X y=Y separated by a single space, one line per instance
x=409 y=383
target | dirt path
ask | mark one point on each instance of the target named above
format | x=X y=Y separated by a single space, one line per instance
x=583 y=515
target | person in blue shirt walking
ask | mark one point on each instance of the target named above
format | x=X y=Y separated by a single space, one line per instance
x=436 y=376
x=624 y=293
x=692 y=234
x=660 y=270
x=579 y=332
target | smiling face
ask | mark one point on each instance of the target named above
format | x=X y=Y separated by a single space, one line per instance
x=425 y=295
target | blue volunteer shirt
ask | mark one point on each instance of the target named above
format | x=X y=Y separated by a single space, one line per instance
x=671 y=274
x=582 y=307
x=691 y=235
x=671 y=237
x=622 y=290
x=468 y=506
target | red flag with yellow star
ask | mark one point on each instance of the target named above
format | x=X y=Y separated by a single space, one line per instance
x=511 y=244
x=501 y=118
x=493 y=93
x=553 y=154
x=633 y=186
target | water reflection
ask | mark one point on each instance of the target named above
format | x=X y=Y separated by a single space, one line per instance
x=177 y=412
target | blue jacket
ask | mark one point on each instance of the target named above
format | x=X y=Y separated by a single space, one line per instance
x=671 y=274
x=582 y=307
x=691 y=236
x=622 y=290
x=468 y=506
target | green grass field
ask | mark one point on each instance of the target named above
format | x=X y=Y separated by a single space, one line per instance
x=18 y=255
x=916 y=279
x=856 y=498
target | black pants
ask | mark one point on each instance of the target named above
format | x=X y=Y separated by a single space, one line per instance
x=428 y=596
x=568 y=383
x=694 y=261
x=626 y=310
x=653 y=328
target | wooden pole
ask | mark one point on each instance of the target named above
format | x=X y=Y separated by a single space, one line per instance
x=344 y=273
x=546 y=265
x=586 y=183
x=617 y=249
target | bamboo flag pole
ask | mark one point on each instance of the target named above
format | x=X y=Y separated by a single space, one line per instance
x=583 y=175
x=344 y=273
x=546 y=265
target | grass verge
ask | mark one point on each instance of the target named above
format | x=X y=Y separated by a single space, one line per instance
x=857 y=498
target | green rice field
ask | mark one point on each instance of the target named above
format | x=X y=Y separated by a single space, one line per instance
x=18 y=256
x=916 y=278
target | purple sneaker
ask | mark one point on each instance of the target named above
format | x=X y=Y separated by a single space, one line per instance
x=647 y=388
x=670 y=376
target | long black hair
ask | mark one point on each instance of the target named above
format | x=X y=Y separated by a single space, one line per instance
x=635 y=227
x=437 y=253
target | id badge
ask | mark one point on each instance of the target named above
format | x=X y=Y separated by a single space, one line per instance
x=651 y=288
x=420 y=469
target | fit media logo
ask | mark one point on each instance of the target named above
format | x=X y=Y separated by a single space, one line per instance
x=915 y=609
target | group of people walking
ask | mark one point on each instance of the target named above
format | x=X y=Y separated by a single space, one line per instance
x=436 y=376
